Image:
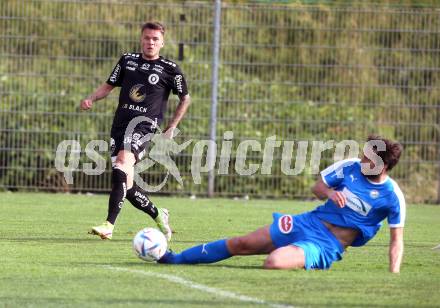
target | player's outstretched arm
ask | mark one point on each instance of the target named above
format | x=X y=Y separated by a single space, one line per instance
x=396 y=249
x=184 y=103
x=101 y=92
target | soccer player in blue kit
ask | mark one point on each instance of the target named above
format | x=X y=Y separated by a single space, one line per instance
x=359 y=195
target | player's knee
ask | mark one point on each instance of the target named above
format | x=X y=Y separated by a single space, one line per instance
x=285 y=258
x=272 y=262
x=124 y=161
x=238 y=245
x=121 y=162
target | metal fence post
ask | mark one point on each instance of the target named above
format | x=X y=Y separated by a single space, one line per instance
x=438 y=188
x=214 y=92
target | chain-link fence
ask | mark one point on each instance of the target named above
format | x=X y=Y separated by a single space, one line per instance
x=296 y=72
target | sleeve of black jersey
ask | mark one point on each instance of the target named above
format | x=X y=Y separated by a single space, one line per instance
x=179 y=83
x=115 y=78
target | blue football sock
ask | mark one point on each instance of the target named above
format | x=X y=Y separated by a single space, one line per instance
x=206 y=253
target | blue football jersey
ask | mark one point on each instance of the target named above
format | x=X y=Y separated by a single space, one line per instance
x=368 y=203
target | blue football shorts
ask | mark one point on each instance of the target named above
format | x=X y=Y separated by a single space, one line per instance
x=321 y=248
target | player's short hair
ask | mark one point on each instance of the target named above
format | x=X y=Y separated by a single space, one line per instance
x=392 y=153
x=153 y=25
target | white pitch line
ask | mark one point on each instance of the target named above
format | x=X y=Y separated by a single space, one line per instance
x=197 y=286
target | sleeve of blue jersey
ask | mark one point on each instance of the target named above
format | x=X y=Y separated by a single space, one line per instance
x=333 y=175
x=397 y=213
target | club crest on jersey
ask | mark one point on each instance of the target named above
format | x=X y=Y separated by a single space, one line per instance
x=138 y=93
x=153 y=79
x=374 y=194
x=285 y=224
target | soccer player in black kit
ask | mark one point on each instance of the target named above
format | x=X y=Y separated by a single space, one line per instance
x=146 y=80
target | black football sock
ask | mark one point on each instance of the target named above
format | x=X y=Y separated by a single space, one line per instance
x=138 y=197
x=117 y=195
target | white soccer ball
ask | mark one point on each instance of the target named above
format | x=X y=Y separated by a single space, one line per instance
x=150 y=244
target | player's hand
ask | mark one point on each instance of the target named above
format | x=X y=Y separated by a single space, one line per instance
x=338 y=198
x=86 y=104
x=169 y=132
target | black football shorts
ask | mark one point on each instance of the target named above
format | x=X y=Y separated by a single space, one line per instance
x=137 y=143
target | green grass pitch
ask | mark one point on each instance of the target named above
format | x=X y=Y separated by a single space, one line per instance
x=49 y=260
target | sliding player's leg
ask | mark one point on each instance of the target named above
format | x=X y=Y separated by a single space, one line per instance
x=257 y=242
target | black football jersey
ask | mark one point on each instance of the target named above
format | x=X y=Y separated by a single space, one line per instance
x=145 y=88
